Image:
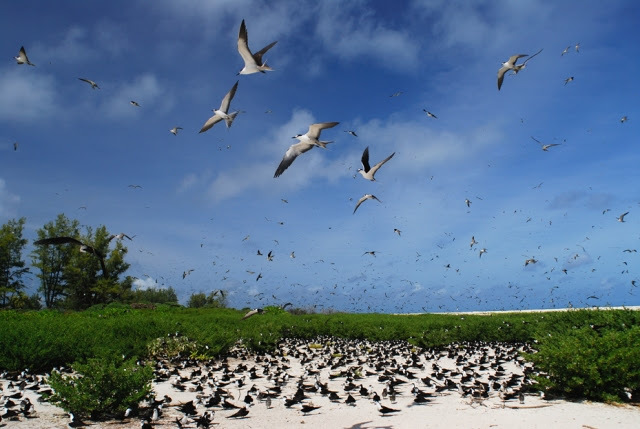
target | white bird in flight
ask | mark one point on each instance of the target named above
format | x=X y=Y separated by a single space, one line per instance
x=252 y=62
x=367 y=171
x=473 y=241
x=569 y=79
x=307 y=142
x=545 y=147
x=22 y=57
x=621 y=217
x=566 y=50
x=365 y=198
x=174 y=130
x=510 y=64
x=221 y=113
x=90 y=82
x=353 y=133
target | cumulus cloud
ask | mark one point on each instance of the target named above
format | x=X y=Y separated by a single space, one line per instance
x=146 y=90
x=146 y=283
x=26 y=94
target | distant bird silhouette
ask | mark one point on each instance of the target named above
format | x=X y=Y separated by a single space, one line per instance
x=90 y=82
x=621 y=217
x=134 y=103
x=174 y=130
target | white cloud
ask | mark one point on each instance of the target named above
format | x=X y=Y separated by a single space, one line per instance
x=146 y=283
x=146 y=90
x=8 y=201
x=26 y=94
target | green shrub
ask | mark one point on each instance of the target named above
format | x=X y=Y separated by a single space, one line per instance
x=101 y=387
x=586 y=363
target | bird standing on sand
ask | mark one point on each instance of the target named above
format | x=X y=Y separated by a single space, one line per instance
x=242 y=412
x=385 y=410
x=252 y=62
x=306 y=142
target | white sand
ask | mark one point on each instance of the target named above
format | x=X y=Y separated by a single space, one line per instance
x=447 y=410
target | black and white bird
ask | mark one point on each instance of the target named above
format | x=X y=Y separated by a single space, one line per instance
x=384 y=410
x=90 y=82
x=174 y=130
x=222 y=112
x=134 y=103
x=22 y=57
x=510 y=64
x=119 y=236
x=367 y=171
x=306 y=142
x=569 y=79
x=242 y=412
x=353 y=133
x=365 y=198
x=429 y=114
x=253 y=312
x=252 y=62
x=84 y=248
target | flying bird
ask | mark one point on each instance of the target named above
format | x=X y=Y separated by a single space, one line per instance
x=566 y=50
x=90 y=82
x=15 y=146
x=353 y=133
x=569 y=79
x=118 y=236
x=467 y=201
x=429 y=114
x=174 y=130
x=134 y=103
x=363 y=199
x=395 y=94
x=367 y=171
x=252 y=62
x=473 y=241
x=186 y=273
x=221 y=113
x=84 y=248
x=621 y=217
x=252 y=312
x=578 y=47
x=510 y=64
x=22 y=57
x=530 y=261
x=623 y=119
x=483 y=250
x=307 y=142
x=545 y=147
x=397 y=231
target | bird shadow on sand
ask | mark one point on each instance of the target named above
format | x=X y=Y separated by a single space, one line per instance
x=363 y=426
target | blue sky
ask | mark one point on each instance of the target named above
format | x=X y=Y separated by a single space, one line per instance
x=202 y=194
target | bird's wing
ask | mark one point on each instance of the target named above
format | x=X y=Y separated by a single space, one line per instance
x=210 y=123
x=513 y=58
x=290 y=155
x=381 y=163
x=249 y=314
x=315 y=129
x=501 y=73
x=243 y=45
x=360 y=201
x=365 y=160
x=226 y=101
x=258 y=55
x=537 y=141
x=525 y=61
x=58 y=240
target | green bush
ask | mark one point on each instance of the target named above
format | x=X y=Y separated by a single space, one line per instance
x=101 y=387
x=601 y=365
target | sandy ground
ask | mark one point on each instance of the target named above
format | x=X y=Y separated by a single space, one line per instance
x=446 y=409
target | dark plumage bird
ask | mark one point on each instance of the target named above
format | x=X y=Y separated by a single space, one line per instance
x=84 y=248
x=307 y=408
x=385 y=410
x=242 y=412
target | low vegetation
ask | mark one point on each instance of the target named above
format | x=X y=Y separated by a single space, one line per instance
x=581 y=353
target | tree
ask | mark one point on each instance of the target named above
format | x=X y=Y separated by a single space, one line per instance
x=52 y=260
x=12 y=267
x=155 y=296
x=216 y=299
x=86 y=282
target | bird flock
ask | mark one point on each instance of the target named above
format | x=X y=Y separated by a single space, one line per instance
x=255 y=63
